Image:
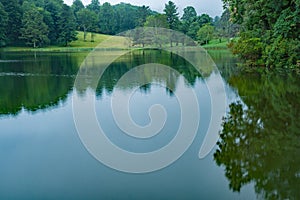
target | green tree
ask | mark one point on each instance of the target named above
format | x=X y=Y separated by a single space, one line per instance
x=34 y=31
x=67 y=26
x=192 y=30
x=107 y=19
x=87 y=21
x=189 y=14
x=191 y=27
x=189 y=17
x=13 y=9
x=205 y=34
x=126 y=16
x=259 y=141
x=77 y=6
x=156 y=35
x=94 y=6
x=52 y=13
x=172 y=15
x=271 y=22
x=204 y=19
x=3 y=25
x=157 y=21
x=142 y=14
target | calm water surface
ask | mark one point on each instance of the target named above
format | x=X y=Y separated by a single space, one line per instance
x=42 y=157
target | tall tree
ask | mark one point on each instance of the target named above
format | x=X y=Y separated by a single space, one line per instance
x=225 y=27
x=272 y=25
x=94 y=6
x=205 y=34
x=77 y=6
x=126 y=15
x=107 y=19
x=52 y=12
x=193 y=29
x=67 y=26
x=157 y=21
x=189 y=14
x=87 y=20
x=142 y=14
x=156 y=35
x=34 y=31
x=3 y=25
x=172 y=15
x=189 y=17
x=204 y=19
x=13 y=9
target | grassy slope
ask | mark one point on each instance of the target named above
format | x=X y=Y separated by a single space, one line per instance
x=215 y=44
x=78 y=45
x=110 y=42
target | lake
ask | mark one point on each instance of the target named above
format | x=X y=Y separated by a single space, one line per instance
x=42 y=155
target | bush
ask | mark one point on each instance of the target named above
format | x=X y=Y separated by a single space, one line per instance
x=283 y=53
x=249 y=49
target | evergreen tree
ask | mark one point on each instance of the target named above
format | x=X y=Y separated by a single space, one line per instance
x=52 y=12
x=107 y=19
x=3 y=25
x=204 y=19
x=13 y=9
x=94 y=6
x=77 y=6
x=142 y=14
x=189 y=17
x=189 y=14
x=172 y=15
x=34 y=31
x=66 y=26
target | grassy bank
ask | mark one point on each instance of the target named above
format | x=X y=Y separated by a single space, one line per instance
x=110 y=42
x=78 y=45
x=216 y=44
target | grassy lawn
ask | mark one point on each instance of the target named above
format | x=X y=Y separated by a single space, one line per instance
x=79 y=45
x=107 y=41
x=216 y=44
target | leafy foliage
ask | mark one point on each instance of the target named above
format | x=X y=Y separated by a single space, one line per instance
x=58 y=22
x=259 y=142
x=3 y=25
x=34 y=31
x=87 y=20
x=276 y=24
x=205 y=34
x=14 y=12
x=172 y=15
x=66 y=26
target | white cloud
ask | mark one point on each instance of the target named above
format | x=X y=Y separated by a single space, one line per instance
x=211 y=7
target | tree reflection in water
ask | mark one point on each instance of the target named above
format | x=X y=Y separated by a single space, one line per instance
x=260 y=140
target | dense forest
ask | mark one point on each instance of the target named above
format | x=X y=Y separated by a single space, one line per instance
x=269 y=34
x=39 y=23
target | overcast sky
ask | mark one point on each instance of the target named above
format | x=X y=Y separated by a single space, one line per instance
x=211 y=7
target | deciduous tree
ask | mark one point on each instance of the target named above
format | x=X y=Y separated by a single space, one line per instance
x=34 y=31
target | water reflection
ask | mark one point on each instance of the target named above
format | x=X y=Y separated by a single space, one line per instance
x=36 y=82
x=39 y=81
x=42 y=155
x=260 y=138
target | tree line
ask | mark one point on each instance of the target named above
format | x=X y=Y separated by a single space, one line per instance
x=270 y=32
x=39 y=23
